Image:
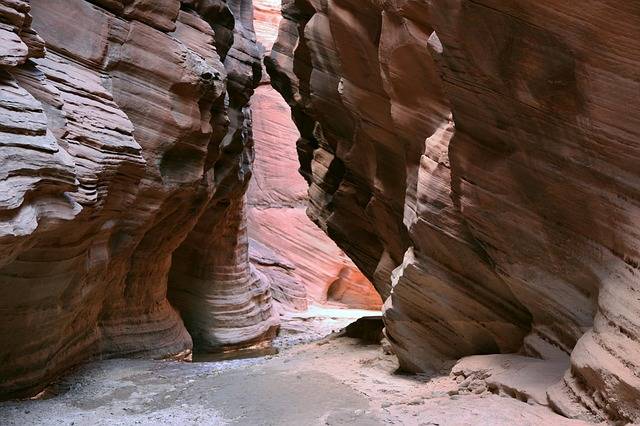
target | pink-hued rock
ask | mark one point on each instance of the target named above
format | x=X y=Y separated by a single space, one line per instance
x=266 y=21
x=479 y=161
x=278 y=199
x=286 y=288
x=122 y=147
x=276 y=181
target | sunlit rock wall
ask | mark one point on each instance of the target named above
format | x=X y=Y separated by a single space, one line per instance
x=479 y=160
x=124 y=145
x=299 y=260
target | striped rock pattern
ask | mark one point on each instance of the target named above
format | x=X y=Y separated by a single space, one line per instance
x=309 y=261
x=479 y=160
x=124 y=145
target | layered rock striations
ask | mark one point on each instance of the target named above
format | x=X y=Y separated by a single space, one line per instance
x=375 y=127
x=297 y=258
x=124 y=145
x=478 y=160
x=287 y=247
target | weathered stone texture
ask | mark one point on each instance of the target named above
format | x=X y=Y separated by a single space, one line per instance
x=302 y=257
x=124 y=145
x=479 y=161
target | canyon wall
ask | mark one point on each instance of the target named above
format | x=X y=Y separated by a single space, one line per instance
x=296 y=257
x=479 y=161
x=125 y=152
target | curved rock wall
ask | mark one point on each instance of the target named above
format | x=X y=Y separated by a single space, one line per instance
x=300 y=261
x=123 y=146
x=479 y=162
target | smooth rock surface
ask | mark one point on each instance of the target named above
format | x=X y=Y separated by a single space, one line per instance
x=523 y=378
x=375 y=127
x=278 y=197
x=122 y=147
x=479 y=162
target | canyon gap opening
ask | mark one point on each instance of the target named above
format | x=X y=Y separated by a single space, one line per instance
x=305 y=268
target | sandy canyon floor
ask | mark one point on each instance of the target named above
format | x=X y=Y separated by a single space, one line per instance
x=313 y=380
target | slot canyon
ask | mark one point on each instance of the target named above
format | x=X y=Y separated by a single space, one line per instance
x=319 y=212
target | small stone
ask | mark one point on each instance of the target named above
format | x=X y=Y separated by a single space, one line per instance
x=479 y=390
x=466 y=382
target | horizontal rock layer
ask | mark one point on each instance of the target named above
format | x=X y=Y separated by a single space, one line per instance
x=123 y=146
x=479 y=162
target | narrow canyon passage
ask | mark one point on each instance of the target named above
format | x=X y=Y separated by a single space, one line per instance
x=296 y=257
x=319 y=212
x=338 y=381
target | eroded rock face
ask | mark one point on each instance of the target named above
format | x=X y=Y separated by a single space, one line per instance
x=375 y=127
x=479 y=162
x=123 y=146
x=299 y=260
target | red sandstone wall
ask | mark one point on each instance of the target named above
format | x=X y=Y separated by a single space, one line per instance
x=278 y=198
x=123 y=146
x=479 y=161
